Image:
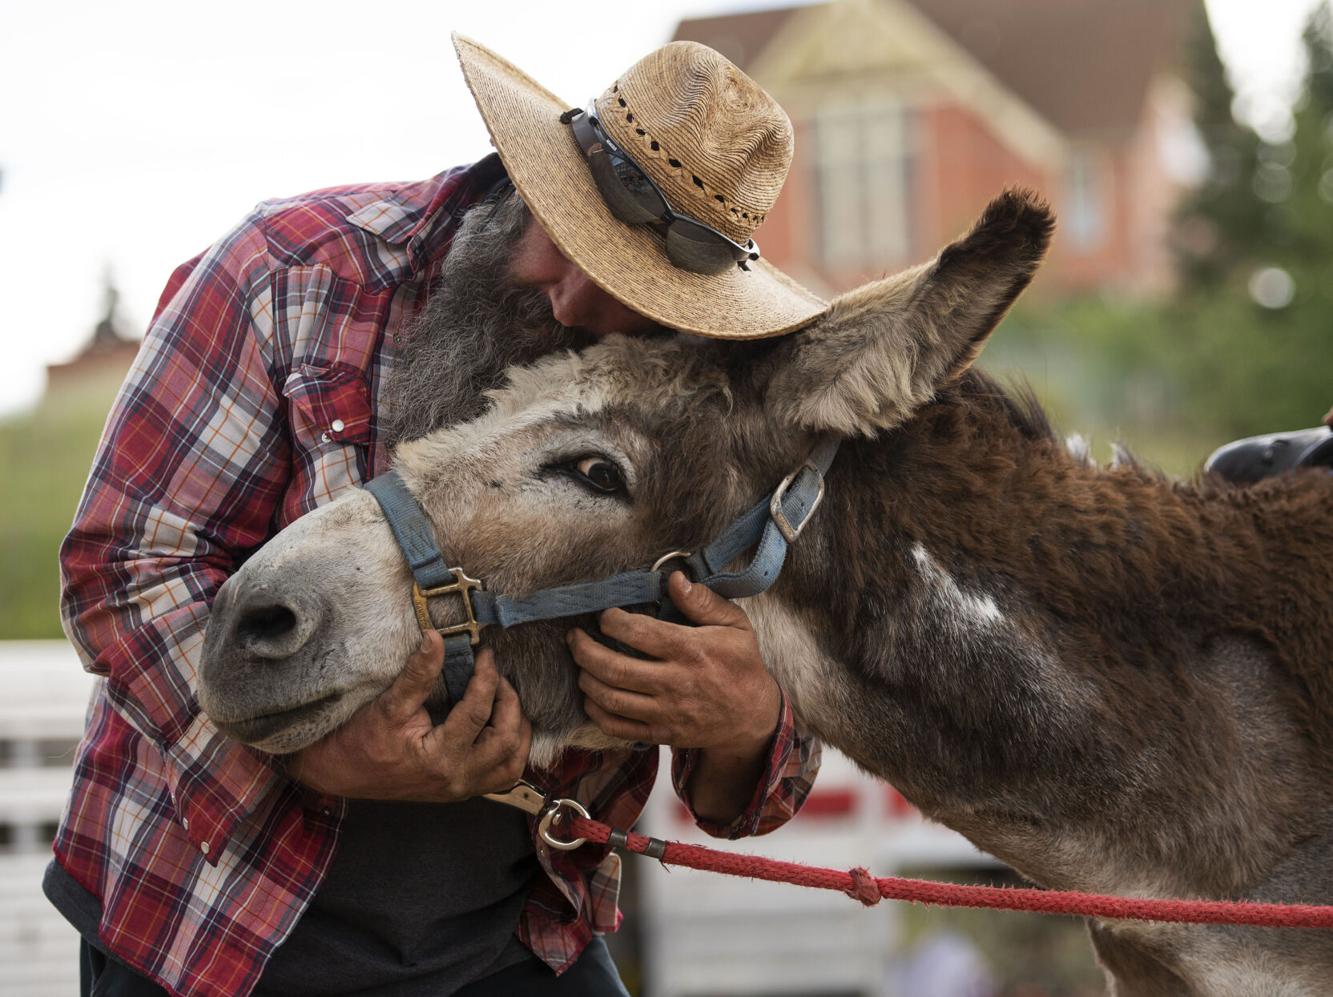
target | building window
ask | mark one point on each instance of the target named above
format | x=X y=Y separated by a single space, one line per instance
x=864 y=175
x=1084 y=218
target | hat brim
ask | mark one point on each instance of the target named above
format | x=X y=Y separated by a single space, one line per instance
x=629 y=262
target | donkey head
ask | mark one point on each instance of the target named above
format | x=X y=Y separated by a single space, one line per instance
x=585 y=465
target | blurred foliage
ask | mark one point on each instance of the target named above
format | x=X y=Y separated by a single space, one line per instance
x=1262 y=203
x=48 y=452
x=1265 y=214
x=1209 y=362
x=1216 y=220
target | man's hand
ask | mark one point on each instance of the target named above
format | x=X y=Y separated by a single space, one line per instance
x=707 y=688
x=390 y=750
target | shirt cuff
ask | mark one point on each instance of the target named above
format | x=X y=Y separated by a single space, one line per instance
x=770 y=805
x=216 y=782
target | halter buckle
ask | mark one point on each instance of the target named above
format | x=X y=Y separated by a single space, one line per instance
x=463 y=586
x=789 y=532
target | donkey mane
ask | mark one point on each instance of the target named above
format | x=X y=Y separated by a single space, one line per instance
x=1017 y=402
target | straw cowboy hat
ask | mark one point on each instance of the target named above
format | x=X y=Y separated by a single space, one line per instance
x=710 y=142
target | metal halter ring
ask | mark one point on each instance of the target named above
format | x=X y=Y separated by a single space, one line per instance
x=548 y=818
x=675 y=555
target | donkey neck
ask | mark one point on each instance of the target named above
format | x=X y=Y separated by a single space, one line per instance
x=978 y=489
x=1026 y=644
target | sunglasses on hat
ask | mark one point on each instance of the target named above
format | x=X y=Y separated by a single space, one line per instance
x=633 y=198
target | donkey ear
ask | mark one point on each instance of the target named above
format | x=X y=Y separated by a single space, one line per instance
x=886 y=348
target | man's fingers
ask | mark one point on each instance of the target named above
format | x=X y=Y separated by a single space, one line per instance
x=500 y=753
x=524 y=747
x=470 y=715
x=617 y=726
x=507 y=713
x=631 y=705
x=704 y=607
x=612 y=667
x=416 y=681
x=655 y=638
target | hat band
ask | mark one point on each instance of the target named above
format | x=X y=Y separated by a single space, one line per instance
x=632 y=196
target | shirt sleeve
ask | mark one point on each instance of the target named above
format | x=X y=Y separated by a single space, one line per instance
x=788 y=774
x=191 y=465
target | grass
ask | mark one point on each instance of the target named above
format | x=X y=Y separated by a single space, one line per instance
x=46 y=453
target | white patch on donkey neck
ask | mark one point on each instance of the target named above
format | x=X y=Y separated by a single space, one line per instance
x=980 y=610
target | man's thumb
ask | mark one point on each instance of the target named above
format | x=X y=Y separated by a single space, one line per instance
x=417 y=680
x=704 y=607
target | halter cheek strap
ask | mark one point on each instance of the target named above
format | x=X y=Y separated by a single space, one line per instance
x=769 y=528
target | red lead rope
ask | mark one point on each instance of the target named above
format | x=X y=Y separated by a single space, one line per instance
x=860 y=885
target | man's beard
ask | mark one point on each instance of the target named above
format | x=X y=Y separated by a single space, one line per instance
x=475 y=325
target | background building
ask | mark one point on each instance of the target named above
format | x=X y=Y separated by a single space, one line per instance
x=911 y=114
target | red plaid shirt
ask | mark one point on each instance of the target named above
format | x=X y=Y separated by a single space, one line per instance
x=252 y=402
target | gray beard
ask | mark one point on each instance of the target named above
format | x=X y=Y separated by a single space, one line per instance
x=476 y=324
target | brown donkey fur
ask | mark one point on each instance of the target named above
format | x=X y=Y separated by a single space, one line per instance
x=1110 y=680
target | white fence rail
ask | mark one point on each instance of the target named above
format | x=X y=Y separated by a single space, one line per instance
x=43 y=695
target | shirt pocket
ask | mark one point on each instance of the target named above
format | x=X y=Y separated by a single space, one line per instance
x=328 y=413
x=328 y=407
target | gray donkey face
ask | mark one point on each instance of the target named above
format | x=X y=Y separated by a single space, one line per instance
x=584 y=465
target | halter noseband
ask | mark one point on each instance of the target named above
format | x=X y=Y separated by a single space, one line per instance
x=769 y=527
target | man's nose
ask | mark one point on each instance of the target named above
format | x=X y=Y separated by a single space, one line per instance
x=575 y=299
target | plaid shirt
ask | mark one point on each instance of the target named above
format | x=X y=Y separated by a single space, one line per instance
x=251 y=402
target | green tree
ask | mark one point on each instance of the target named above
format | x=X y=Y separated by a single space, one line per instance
x=1308 y=212
x=1245 y=345
x=1252 y=330
x=1219 y=221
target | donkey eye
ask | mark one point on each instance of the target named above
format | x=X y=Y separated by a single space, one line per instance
x=600 y=473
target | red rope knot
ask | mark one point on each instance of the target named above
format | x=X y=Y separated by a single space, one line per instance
x=864 y=887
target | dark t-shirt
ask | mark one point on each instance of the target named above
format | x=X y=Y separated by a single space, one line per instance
x=420 y=899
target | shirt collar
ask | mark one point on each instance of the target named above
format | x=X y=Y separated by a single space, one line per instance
x=413 y=214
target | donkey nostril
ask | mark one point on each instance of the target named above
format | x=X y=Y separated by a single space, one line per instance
x=263 y=624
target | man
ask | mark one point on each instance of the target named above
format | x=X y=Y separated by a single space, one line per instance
x=279 y=369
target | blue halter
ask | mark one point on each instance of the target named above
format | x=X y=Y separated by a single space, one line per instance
x=770 y=527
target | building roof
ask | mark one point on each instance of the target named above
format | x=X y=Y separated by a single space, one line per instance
x=1083 y=65
x=740 y=37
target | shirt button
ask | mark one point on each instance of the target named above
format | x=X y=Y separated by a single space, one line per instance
x=338 y=426
x=185 y=823
x=325 y=438
x=203 y=847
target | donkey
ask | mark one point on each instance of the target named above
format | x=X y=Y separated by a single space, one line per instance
x=1109 y=680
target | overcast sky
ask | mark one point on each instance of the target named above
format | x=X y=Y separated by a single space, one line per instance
x=133 y=134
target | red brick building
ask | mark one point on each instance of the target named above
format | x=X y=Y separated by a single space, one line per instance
x=911 y=114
